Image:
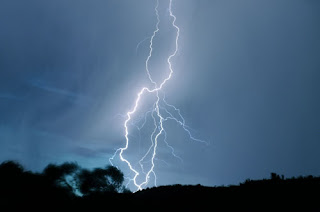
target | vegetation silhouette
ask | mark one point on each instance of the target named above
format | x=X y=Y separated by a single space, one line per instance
x=66 y=184
x=71 y=187
x=100 y=180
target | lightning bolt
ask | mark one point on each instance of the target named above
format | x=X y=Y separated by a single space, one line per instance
x=160 y=113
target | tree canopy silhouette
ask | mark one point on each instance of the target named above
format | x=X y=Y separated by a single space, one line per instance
x=100 y=180
x=62 y=175
x=69 y=186
x=67 y=178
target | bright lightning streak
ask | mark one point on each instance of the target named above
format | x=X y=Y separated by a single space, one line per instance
x=151 y=43
x=158 y=118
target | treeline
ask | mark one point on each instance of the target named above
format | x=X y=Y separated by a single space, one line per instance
x=56 y=185
x=71 y=187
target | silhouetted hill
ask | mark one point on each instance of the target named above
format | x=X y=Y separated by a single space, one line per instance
x=296 y=194
x=299 y=194
x=59 y=186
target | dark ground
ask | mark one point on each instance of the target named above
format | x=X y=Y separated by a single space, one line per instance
x=34 y=192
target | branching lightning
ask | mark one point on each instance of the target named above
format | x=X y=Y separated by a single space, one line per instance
x=160 y=114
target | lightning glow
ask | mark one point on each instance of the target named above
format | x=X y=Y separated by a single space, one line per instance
x=160 y=114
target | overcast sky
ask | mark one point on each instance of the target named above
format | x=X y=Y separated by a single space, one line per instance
x=246 y=80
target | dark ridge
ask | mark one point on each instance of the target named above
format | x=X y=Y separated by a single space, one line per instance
x=58 y=186
x=275 y=194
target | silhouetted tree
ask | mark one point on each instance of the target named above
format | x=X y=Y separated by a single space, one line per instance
x=16 y=184
x=11 y=176
x=62 y=175
x=275 y=176
x=51 y=188
x=100 y=180
x=11 y=167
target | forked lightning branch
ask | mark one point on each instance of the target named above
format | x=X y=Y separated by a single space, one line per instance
x=160 y=114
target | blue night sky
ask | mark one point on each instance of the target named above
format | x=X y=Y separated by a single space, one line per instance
x=246 y=80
